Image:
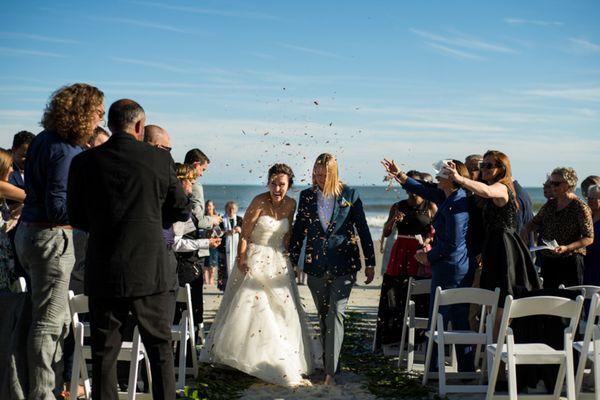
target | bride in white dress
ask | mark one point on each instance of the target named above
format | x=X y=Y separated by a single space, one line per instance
x=261 y=328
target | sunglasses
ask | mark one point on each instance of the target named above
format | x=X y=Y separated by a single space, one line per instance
x=488 y=165
x=556 y=183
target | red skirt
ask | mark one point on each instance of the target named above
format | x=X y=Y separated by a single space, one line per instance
x=402 y=258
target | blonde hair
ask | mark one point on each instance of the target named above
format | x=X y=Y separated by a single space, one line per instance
x=333 y=185
x=5 y=162
x=71 y=111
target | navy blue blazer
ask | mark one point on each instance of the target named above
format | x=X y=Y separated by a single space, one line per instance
x=448 y=255
x=334 y=250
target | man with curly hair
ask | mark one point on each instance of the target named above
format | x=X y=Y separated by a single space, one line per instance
x=44 y=240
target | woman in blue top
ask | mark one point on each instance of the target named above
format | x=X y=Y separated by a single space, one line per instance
x=448 y=256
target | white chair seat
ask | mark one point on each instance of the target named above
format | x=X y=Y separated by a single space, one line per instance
x=461 y=337
x=532 y=353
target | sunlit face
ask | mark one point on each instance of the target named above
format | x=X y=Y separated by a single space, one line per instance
x=444 y=183
x=98 y=117
x=210 y=208
x=320 y=175
x=593 y=201
x=200 y=168
x=559 y=186
x=489 y=168
x=188 y=185
x=19 y=155
x=232 y=210
x=473 y=167
x=278 y=186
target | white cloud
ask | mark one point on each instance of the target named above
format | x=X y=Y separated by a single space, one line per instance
x=9 y=51
x=574 y=94
x=309 y=50
x=582 y=44
x=39 y=38
x=453 y=52
x=521 y=21
x=458 y=39
x=209 y=11
x=141 y=23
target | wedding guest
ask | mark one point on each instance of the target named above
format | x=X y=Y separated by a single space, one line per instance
x=587 y=182
x=123 y=193
x=231 y=227
x=186 y=244
x=412 y=220
x=506 y=262
x=200 y=161
x=568 y=220
x=20 y=145
x=448 y=256
x=591 y=273
x=100 y=136
x=158 y=137
x=7 y=220
x=44 y=239
x=472 y=163
x=211 y=263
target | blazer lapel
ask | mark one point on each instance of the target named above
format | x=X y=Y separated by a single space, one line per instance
x=337 y=216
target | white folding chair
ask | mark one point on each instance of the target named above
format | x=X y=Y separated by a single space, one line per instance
x=20 y=285
x=587 y=291
x=534 y=353
x=488 y=301
x=183 y=333
x=410 y=322
x=589 y=349
x=133 y=351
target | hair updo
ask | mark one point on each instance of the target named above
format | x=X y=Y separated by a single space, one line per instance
x=281 y=168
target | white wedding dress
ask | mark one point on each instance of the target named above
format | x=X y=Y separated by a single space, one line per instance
x=261 y=328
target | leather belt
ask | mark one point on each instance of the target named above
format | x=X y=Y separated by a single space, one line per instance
x=46 y=225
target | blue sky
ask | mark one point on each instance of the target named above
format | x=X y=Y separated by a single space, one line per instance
x=252 y=83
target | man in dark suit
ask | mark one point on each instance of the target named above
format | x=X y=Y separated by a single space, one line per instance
x=123 y=193
x=328 y=216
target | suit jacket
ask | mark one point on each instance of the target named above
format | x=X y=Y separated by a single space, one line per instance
x=334 y=250
x=448 y=255
x=123 y=194
x=202 y=221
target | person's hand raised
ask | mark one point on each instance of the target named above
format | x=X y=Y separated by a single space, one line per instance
x=215 y=242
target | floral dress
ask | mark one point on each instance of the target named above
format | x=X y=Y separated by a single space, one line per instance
x=7 y=264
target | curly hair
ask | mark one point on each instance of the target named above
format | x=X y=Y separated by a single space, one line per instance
x=568 y=174
x=281 y=168
x=71 y=110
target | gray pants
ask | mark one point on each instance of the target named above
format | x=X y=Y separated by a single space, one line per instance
x=48 y=256
x=331 y=294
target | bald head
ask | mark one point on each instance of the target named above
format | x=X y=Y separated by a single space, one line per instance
x=157 y=136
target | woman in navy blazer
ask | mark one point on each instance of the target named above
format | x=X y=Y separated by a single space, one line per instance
x=448 y=256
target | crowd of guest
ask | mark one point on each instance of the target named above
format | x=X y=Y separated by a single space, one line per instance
x=482 y=236
x=80 y=209
x=114 y=212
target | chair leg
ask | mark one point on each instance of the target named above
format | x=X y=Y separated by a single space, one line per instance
x=580 y=372
x=148 y=372
x=570 y=372
x=596 y=375
x=494 y=362
x=183 y=341
x=402 y=343
x=428 y=359
x=512 y=378
x=441 y=366
x=134 y=365
x=560 y=379
x=411 y=349
x=77 y=358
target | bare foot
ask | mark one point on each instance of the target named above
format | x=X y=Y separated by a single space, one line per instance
x=329 y=380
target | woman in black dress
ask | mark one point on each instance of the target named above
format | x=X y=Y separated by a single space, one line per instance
x=412 y=219
x=505 y=258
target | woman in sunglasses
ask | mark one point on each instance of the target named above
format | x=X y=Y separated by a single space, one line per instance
x=505 y=258
x=568 y=220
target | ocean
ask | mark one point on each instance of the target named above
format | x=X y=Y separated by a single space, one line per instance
x=376 y=199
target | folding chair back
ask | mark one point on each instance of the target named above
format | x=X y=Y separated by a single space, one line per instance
x=437 y=334
x=587 y=291
x=535 y=353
